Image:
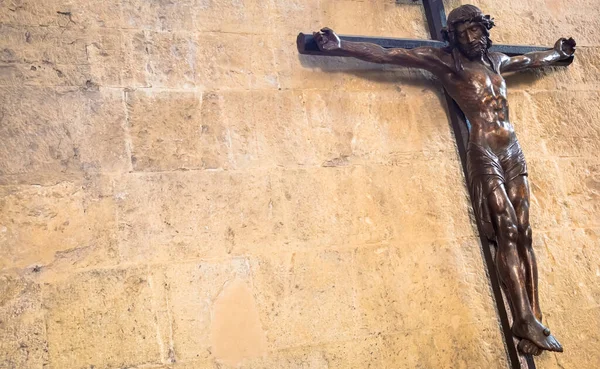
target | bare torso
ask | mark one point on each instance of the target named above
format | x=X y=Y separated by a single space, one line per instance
x=481 y=94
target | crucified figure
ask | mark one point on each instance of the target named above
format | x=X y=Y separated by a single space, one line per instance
x=497 y=172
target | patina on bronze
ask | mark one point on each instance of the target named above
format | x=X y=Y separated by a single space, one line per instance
x=497 y=171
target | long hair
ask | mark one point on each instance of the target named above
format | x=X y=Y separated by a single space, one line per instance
x=462 y=14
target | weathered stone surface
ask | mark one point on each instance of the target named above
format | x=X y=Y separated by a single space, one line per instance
x=192 y=215
x=42 y=45
x=229 y=16
x=306 y=298
x=394 y=281
x=167 y=132
x=567 y=121
x=171 y=59
x=548 y=199
x=413 y=350
x=23 y=342
x=363 y=353
x=102 y=318
x=61 y=13
x=119 y=58
x=379 y=18
x=581 y=180
x=195 y=294
x=231 y=60
x=541 y=22
x=57 y=57
x=378 y=126
x=74 y=131
x=43 y=74
x=61 y=224
x=160 y=15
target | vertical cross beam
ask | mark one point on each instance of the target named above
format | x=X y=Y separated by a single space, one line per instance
x=436 y=20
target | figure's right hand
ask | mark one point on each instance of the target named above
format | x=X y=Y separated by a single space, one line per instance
x=327 y=40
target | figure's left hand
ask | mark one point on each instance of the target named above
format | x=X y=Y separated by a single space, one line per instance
x=565 y=47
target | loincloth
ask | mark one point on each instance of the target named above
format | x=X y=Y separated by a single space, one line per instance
x=486 y=172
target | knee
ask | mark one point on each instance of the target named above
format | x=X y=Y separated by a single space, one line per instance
x=508 y=229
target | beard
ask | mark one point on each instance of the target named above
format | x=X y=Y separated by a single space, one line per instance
x=475 y=49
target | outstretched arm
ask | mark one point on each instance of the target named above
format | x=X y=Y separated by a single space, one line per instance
x=563 y=49
x=421 y=57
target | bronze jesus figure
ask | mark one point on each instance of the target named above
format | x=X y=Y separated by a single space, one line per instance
x=497 y=172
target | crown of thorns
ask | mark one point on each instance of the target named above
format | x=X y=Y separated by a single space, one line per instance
x=485 y=20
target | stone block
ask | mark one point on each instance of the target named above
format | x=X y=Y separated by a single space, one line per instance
x=160 y=15
x=377 y=126
x=41 y=74
x=198 y=294
x=54 y=226
x=425 y=287
x=566 y=122
x=62 y=13
x=167 y=132
x=294 y=16
x=55 y=133
x=358 y=353
x=419 y=204
x=232 y=60
x=232 y=16
x=23 y=343
x=34 y=45
x=548 y=199
x=119 y=58
x=248 y=129
x=86 y=58
x=198 y=215
x=562 y=287
x=219 y=130
x=581 y=181
x=374 y=204
x=172 y=59
x=306 y=298
x=413 y=350
x=321 y=206
x=101 y=318
x=382 y=18
x=541 y=22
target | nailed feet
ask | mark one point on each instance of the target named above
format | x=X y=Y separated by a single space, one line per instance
x=534 y=337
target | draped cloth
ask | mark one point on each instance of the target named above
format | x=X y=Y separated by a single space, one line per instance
x=486 y=172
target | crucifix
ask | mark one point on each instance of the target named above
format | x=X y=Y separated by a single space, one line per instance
x=462 y=57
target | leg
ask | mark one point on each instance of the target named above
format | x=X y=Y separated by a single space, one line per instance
x=518 y=193
x=512 y=274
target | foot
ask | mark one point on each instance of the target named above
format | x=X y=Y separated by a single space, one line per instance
x=532 y=330
x=529 y=348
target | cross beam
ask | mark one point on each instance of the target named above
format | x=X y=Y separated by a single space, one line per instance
x=436 y=20
x=308 y=46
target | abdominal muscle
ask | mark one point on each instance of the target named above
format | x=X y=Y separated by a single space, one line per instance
x=497 y=135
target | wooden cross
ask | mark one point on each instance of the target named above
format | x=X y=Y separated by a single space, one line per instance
x=436 y=20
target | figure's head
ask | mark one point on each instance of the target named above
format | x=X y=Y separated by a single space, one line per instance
x=468 y=30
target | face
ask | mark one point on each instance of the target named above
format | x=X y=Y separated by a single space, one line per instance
x=471 y=38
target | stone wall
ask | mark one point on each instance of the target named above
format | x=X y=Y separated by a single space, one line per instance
x=180 y=189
